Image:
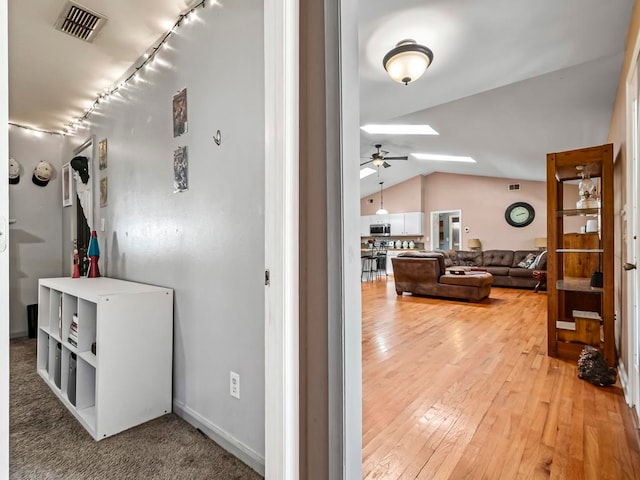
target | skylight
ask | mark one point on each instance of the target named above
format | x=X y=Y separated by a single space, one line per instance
x=400 y=129
x=366 y=171
x=443 y=158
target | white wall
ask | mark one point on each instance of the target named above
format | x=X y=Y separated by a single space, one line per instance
x=206 y=243
x=35 y=238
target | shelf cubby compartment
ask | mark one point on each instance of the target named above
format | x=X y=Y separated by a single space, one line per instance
x=43 y=353
x=69 y=307
x=44 y=305
x=55 y=363
x=64 y=373
x=86 y=394
x=87 y=325
x=55 y=309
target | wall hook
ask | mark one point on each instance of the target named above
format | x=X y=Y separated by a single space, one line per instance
x=217 y=138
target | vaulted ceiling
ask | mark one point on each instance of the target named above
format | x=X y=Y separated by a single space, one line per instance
x=511 y=80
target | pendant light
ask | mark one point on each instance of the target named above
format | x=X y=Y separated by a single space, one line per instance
x=407 y=61
x=381 y=210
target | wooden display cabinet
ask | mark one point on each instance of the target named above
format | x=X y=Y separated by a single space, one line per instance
x=579 y=313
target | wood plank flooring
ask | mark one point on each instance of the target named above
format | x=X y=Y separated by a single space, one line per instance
x=457 y=390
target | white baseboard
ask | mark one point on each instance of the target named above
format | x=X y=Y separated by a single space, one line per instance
x=18 y=334
x=221 y=437
x=624 y=381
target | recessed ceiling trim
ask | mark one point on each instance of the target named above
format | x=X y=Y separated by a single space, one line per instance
x=399 y=129
x=80 y=22
x=443 y=158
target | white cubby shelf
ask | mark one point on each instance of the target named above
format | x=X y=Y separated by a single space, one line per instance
x=128 y=380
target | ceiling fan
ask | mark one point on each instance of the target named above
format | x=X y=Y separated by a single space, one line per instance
x=379 y=158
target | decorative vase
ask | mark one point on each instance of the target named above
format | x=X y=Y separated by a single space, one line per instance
x=94 y=255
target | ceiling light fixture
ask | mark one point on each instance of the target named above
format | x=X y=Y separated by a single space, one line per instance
x=443 y=158
x=407 y=61
x=381 y=210
x=366 y=171
x=399 y=129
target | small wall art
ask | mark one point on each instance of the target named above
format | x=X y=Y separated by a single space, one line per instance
x=180 y=170
x=102 y=154
x=104 y=192
x=180 y=124
x=67 y=185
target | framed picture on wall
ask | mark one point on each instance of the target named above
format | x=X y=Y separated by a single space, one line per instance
x=67 y=185
x=102 y=154
x=104 y=192
x=180 y=124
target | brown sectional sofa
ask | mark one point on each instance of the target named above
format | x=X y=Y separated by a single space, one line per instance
x=502 y=264
x=424 y=273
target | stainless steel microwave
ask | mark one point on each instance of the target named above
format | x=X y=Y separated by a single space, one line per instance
x=380 y=230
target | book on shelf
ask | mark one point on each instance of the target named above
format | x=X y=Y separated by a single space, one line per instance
x=73 y=330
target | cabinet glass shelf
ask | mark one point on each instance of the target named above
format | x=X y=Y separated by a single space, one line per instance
x=577 y=285
x=579 y=250
x=575 y=212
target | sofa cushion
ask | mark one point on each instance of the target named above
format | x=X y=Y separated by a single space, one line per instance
x=521 y=272
x=500 y=271
x=474 y=280
x=450 y=257
x=470 y=259
x=422 y=254
x=498 y=258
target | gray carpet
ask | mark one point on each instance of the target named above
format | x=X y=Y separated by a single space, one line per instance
x=46 y=441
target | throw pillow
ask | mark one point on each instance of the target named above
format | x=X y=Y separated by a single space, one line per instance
x=540 y=263
x=528 y=260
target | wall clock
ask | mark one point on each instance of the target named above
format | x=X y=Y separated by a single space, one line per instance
x=519 y=214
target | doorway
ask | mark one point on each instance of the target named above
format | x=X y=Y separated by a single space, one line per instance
x=445 y=230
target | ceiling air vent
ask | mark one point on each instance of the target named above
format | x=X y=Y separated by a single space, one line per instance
x=513 y=187
x=80 y=22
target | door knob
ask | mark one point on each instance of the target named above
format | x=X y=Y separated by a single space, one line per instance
x=629 y=266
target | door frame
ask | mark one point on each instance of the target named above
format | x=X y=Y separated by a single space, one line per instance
x=281 y=41
x=631 y=247
x=4 y=253
x=630 y=373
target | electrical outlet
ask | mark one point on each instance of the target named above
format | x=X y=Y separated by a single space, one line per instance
x=234 y=385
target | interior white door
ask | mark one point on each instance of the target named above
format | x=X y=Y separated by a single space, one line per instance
x=633 y=249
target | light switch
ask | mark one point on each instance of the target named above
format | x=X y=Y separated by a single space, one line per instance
x=102 y=224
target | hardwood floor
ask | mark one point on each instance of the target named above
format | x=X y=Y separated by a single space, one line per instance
x=456 y=390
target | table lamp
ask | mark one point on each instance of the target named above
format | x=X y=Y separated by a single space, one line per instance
x=540 y=243
x=474 y=244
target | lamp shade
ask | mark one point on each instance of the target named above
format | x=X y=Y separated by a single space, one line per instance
x=540 y=242
x=407 y=61
x=473 y=243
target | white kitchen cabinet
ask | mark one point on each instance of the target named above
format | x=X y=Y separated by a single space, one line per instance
x=414 y=223
x=128 y=380
x=407 y=224
x=373 y=219
x=397 y=224
x=365 y=221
